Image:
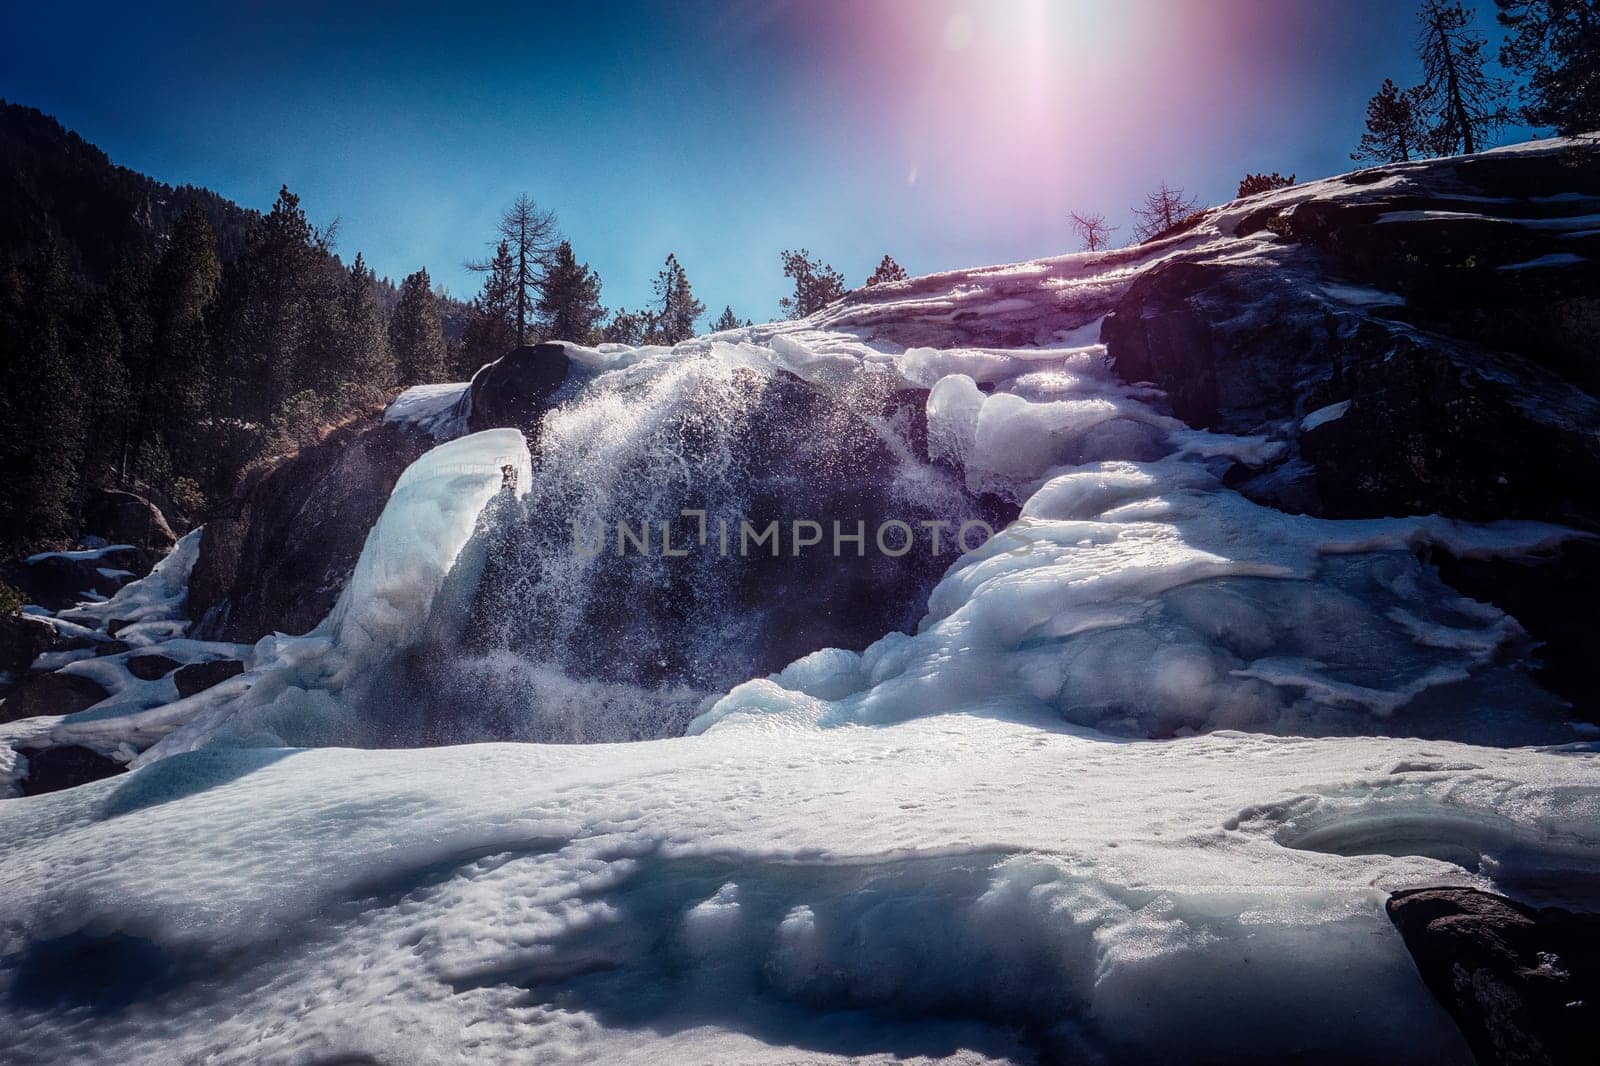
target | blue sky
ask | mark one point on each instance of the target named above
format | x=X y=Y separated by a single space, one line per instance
x=948 y=133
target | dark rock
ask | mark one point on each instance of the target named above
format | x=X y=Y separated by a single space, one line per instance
x=513 y=391
x=1461 y=381
x=58 y=581
x=52 y=693
x=150 y=667
x=53 y=769
x=23 y=638
x=1523 y=983
x=666 y=631
x=275 y=556
x=197 y=677
x=127 y=518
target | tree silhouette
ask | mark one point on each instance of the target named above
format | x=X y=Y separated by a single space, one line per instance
x=1462 y=104
x=816 y=284
x=887 y=270
x=1251 y=184
x=1092 y=231
x=1394 y=128
x=530 y=233
x=1162 y=211
x=1555 y=44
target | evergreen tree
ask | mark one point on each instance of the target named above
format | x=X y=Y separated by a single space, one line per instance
x=42 y=403
x=1092 y=230
x=529 y=233
x=725 y=321
x=1555 y=44
x=1462 y=105
x=273 y=312
x=1394 y=126
x=676 y=309
x=363 y=358
x=888 y=270
x=103 y=380
x=1162 y=211
x=626 y=327
x=816 y=284
x=415 y=332
x=1251 y=184
x=173 y=382
x=569 y=305
x=491 y=331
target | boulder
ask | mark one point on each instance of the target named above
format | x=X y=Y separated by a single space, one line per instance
x=275 y=557
x=54 y=769
x=150 y=667
x=23 y=638
x=128 y=518
x=514 y=390
x=1522 y=982
x=197 y=677
x=52 y=693
x=58 y=580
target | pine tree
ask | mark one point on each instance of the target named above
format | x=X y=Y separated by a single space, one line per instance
x=415 y=332
x=1092 y=230
x=1162 y=211
x=676 y=309
x=364 y=358
x=491 y=331
x=1555 y=44
x=816 y=284
x=725 y=321
x=1251 y=184
x=41 y=449
x=888 y=270
x=569 y=305
x=625 y=327
x=530 y=234
x=1462 y=106
x=1394 y=127
x=274 y=309
x=173 y=386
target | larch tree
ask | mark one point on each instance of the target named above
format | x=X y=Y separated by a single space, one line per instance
x=816 y=284
x=529 y=232
x=569 y=303
x=416 y=333
x=1461 y=104
x=676 y=309
x=1092 y=230
x=887 y=270
x=1394 y=126
x=1555 y=44
x=1161 y=211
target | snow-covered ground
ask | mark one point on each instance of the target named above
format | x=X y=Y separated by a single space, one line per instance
x=960 y=844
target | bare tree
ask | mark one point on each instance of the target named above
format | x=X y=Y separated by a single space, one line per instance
x=1162 y=210
x=531 y=234
x=1464 y=106
x=1092 y=231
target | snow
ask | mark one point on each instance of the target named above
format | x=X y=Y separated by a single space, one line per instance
x=428 y=409
x=1134 y=789
x=1554 y=259
x=1009 y=887
x=1323 y=415
x=1363 y=296
x=81 y=555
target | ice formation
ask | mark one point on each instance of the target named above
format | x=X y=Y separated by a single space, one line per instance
x=1133 y=787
